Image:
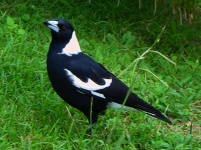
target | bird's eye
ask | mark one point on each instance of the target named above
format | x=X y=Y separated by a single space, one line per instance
x=62 y=27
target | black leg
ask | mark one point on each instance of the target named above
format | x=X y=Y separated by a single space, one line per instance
x=89 y=131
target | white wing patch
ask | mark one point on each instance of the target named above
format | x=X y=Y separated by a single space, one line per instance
x=148 y=113
x=72 y=47
x=89 y=85
x=119 y=106
x=98 y=94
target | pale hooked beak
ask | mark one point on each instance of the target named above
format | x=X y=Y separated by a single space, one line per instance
x=52 y=25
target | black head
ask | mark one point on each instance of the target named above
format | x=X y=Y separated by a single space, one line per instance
x=61 y=30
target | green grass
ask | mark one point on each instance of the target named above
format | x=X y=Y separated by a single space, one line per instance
x=32 y=116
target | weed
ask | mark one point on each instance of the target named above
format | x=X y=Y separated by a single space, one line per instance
x=123 y=36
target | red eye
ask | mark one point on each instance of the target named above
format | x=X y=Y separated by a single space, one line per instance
x=62 y=27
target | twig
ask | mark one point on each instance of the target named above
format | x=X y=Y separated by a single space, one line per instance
x=155 y=6
x=163 y=57
x=136 y=61
x=155 y=76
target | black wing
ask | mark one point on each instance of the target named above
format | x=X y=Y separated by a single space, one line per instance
x=86 y=68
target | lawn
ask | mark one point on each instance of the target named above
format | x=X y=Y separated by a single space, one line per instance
x=146 y=47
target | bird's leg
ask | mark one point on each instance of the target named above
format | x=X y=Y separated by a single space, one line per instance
x=91 y=112
x=89 y=131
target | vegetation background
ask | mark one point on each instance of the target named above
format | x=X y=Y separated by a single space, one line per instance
x=153 y=46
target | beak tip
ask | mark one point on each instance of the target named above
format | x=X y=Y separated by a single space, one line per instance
x=45 y=22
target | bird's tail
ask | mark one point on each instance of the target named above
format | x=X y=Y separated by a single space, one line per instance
x=137 y=103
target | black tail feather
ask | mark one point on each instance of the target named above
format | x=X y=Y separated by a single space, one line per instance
x=139 y=104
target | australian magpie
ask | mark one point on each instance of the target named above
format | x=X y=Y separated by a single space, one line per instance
x=84 y=83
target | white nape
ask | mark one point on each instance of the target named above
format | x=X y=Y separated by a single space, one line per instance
x=118 y=106
x=53 y=25
x=72 y=47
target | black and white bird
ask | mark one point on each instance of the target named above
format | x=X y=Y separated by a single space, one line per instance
x=84 y=83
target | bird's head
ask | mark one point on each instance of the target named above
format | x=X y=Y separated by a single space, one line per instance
x=61 y=29
x=63 y=36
